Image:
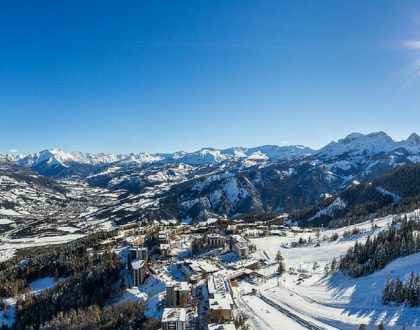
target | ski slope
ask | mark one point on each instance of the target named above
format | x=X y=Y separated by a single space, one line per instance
x=327 y=301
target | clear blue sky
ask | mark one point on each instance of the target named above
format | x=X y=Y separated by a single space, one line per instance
x=121 y=76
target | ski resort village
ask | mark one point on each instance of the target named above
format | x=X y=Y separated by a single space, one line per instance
x=210 y=165
x=230 y=275
x=245 y=238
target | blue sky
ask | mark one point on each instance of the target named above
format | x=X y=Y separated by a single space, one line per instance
x=122 y=76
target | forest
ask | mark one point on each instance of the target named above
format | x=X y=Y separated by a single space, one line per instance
x=55 y=261
x=395 y=192
x=402 y=293
x=400 y=240
x=89 y=280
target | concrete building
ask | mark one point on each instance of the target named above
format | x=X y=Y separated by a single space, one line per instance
x=220 y=299
x=194 y=269
x=143 y=253
x=241 y=250
x=240 y=246
x=190 y=272
x=174 y=319
x=165 y=250
x=220 y=308
x=138 y=271
x=225 y=326
x=216 y=241
x=135 y=240
x=140 y=253
x=163 y=237
x=177 y=294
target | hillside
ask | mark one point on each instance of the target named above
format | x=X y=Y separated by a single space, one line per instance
x=196 y=186
x=395 y=191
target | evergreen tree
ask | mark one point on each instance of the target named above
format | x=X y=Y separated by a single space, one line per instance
x=281 y=268
x=381 y=326
x=377 y=252
x=403 y=293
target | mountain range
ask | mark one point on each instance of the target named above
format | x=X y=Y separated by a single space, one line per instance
x=208 y=183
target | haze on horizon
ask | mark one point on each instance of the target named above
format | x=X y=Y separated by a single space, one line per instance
x=165 y=76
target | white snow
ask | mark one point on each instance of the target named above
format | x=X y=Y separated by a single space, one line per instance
x=233 y=192
x=42 y=284
x=338 y=204
x=331 y=301
x=386 y=192
x=7 y=315
x=9 y=212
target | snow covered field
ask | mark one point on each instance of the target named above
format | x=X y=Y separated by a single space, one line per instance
x=8 y=246
x=328 y=301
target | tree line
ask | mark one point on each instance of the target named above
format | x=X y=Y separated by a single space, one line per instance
x=401 y=239
x=368 y=200
x=65 y=260
x=87 y=282
x=92 y=287
x=407 y=293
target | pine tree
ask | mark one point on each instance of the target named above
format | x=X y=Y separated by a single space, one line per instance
x=334 y=265
x=279 y=257
x=281 y=268
x=386 y=294
x=403 y=293
x=381 y=326
x=376 y=253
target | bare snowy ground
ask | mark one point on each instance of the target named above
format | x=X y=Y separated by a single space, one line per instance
x=327 y=301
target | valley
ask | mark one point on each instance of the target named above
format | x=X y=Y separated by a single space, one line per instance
x=249 y=238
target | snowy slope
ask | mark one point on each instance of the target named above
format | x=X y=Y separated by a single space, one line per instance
x=359 y=156
x=267 y=178
x=57 y=163
x=334 y=300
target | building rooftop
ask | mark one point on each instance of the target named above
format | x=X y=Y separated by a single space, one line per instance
x=174 y=315
x=201 y=266
x=179 y=285
x=221 y=301
x=225 y=326
x=243 y=263
x=242 y=246
x=215 y=236
x=216 y=284
x=137 y=264
x=239 y=239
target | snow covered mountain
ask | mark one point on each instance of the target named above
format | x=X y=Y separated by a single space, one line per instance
x=271 y=152
x=43 y=210
x=357 y=144
x=25 y=194
x=210 y=182
x=359 y=156
x=59 y=164
x=360 y=200
x=53 y=197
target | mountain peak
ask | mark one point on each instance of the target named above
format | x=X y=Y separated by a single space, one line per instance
x=358 y=143
x=412 y=144
x=352 y=136
x=413 y=139
x=359 y=136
